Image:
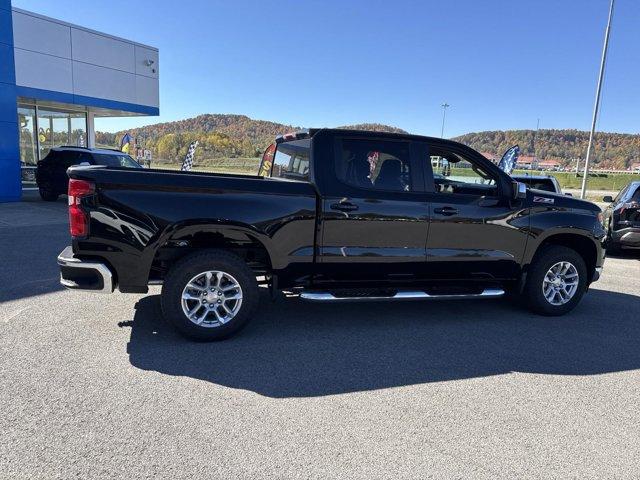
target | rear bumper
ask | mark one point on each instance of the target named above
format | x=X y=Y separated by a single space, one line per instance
x=627 y=237
x=78 y=274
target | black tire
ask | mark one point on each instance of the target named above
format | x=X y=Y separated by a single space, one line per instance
x=47 y=195
x=543 y=261
x=184 y=270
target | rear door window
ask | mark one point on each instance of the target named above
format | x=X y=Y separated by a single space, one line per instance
x=70 y=158
x=374 y=164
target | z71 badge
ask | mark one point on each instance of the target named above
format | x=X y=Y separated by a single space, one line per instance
x=543 y=200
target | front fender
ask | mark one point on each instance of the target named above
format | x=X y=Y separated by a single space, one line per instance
x=562 y=223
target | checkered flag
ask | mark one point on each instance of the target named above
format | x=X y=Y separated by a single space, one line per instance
x=188 y=160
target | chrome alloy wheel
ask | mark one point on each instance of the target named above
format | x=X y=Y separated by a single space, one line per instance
x=560 y=283
x=211 y=299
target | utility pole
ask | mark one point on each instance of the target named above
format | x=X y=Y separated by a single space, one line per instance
x=596 y=106
x=444 y=106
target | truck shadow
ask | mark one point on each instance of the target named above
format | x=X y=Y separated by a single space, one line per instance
x=297 y=349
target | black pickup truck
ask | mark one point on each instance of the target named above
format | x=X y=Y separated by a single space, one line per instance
x=333 y=215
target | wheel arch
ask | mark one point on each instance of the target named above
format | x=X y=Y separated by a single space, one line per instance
x=582 y=243
x=181 y=240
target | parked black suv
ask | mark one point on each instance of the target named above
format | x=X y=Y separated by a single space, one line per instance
x=335 y=216
x=51 y=174
x=622 y=218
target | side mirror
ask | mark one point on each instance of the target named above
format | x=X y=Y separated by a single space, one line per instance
x=519 y=190
x=607 y=198
x=569 y=194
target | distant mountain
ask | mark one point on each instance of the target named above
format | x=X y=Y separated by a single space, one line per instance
x=611 y=150
x=219 y=135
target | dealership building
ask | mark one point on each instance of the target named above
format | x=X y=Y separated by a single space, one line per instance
x=55 y=79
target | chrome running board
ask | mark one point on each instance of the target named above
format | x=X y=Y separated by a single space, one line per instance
x=400 y=295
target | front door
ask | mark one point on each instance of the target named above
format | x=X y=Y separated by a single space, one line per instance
x=476 y=230
x=375 y=217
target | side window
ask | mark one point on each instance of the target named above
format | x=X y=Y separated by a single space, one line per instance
x=374 y=165
x=291 y=160
x=70 y=158
x=85 y=158
x=455 y=174
x=635 y=197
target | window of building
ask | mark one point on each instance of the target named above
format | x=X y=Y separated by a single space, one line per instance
x=374 y=165
x=57 y=127
x=28 y=145
x=41 y=129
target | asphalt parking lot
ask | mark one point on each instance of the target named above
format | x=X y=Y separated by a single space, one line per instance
x=97 y=386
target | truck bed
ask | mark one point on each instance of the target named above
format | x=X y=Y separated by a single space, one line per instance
x=136 y=215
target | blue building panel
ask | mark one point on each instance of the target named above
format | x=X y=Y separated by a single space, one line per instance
x=6 y=27
x=10 y=189
x=7 y=103
x=7 y=66
x=70 y=98
x=9 y=147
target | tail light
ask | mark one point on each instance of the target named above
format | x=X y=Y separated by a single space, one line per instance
x=626 y=206
x=78 y=218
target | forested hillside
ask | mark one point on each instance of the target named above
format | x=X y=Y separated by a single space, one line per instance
x=219 y=136
x=611 y=150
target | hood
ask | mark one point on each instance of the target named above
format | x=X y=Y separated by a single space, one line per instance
x=543 y=198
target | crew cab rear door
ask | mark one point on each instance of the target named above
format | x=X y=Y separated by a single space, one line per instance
x=374 y=214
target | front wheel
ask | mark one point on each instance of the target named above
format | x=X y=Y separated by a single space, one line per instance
x=556 y=281
x=209 y=295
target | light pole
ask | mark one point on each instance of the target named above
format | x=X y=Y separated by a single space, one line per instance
x=603 y=61
x=444 y=106
x=535 y=139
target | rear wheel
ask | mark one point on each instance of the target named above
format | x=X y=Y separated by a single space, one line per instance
x=209 y=295
x=556 y=281
x=47 y=195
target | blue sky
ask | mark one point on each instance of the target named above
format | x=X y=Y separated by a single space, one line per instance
x=501 y=64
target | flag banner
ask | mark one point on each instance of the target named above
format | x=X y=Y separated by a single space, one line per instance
x=188 y=160
x=509 y=159
x=125 y=142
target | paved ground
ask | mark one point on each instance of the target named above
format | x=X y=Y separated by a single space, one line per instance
x=98 y=386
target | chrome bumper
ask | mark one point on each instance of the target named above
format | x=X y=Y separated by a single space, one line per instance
x=79 y=274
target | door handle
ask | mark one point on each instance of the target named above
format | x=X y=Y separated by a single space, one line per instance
x=446 y=211
x=344 y=206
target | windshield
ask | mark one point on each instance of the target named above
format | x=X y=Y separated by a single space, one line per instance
x=115 y=160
